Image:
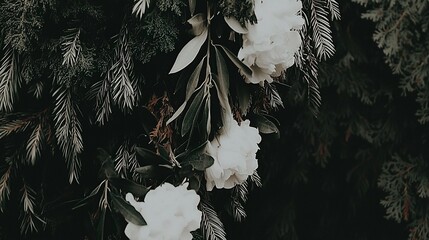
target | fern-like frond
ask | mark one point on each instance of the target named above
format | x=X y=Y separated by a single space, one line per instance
x=308 y=65
x=239 y=196
x=334 y=9
x=30 y=220
x=212 y=226
x=273 y=96
x=10 y=79
x=34 y=144
x=5 y=186
x=68 y=130
x=121 y=73
x=256 y=179
x=14 y=123
x=71 y=47
x=103 y=103
x=321 y=29
x=140 y=7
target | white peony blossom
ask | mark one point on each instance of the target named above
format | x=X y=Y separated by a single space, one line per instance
x=269 y=45
x=234 y=153
x=170 y=212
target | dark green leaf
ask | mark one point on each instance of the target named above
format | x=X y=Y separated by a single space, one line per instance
x=197 y=22
x=152 y=171
x=243 y=95
x=192 y=4
x=150 y=156
x=85 y=200
x=100 y=224
x=264 y=125
x=107 y=169
x=237 y=62
x=127 y=210
x=199 y=161
x=192 y=113
x=194 y=182
x=129 y=186
x=193 y=80
x=222 y=80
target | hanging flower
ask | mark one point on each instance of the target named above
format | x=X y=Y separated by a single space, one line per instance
x=234 y=152
x=269 y=45
x=170 y=212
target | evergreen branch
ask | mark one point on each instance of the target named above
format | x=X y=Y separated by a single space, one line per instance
x=334 y=9
x=103 y=100
x=30 y=218
x=68 y=130
x=5 y=186
x=212 y=226
x=273 y=95
x=8 y=127
x=239 y=196
x=322 y=34
x=10 y=79
x=256 y=179
x=122 y=78
x=34 y=144
x=71 y=47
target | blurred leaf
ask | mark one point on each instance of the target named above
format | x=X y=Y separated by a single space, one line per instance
x=129 y=186
x=107 y=169
x=192 y=4
x=194 y=183
x=244 y=97
x=85 y=200
x=189 y=52
x=127 y=210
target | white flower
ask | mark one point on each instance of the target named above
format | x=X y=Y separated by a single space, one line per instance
x=170 y=212
x=270 y=45
x=234 y=153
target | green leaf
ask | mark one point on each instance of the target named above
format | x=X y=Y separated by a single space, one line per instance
x=189 y=52
x=199 y=161
x=150 y=156
x=129 y=186
x=127 y=210
x=264 y=125
x=235 y=25
x=243 y=67
x=206 y=119
x=107 y=169
x=222 y=80
x=177 y=113
x=192 y=113
x=193 y=80
x=194 y=183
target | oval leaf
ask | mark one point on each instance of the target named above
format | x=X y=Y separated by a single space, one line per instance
x=152 y=171
x=235 y=25
x=127 y=210
x=189 y=52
